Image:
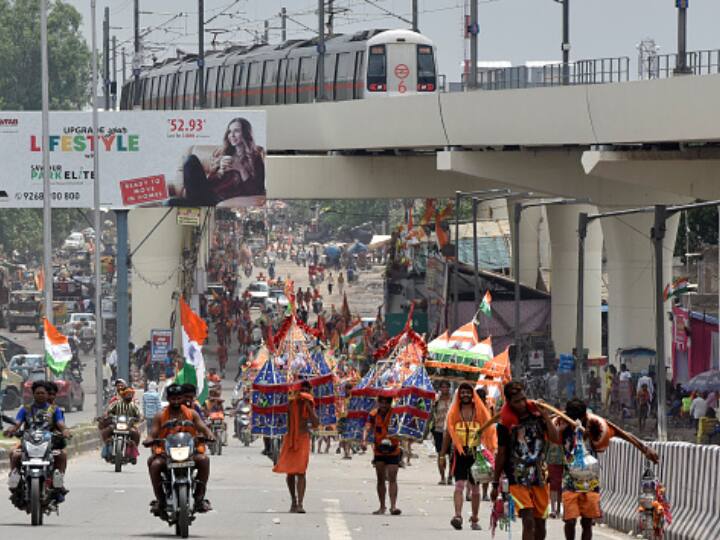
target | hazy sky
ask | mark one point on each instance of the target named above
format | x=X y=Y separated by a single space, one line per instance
x=513 y=30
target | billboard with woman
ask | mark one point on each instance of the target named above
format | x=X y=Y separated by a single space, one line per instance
x=147 y=158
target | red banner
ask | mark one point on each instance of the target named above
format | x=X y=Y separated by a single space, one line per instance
x=143 y=190
x=681 y=328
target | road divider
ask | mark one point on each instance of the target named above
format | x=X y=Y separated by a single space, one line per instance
x=690 y=474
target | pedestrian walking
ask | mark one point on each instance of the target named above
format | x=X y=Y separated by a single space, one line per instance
x=386 y=454
x=340 y=283
x=330 y=283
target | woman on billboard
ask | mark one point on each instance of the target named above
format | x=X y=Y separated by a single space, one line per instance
x=232 y=175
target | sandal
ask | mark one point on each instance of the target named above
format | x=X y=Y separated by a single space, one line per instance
x=441 y=482
x=395 y=512
x=456 y=522
x=379 y=512
x=202 y=506
x=300 y=510
x=475 y=525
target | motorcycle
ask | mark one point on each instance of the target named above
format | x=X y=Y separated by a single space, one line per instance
x=120 y=451
x=216 y=423
x=242 y=424
x=178 y=482
x=38 y=480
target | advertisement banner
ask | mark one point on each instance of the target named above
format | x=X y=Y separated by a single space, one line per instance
x=147 y=158
x=161 y=343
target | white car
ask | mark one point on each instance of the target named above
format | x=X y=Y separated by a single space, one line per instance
x=78 y=320
x=276 y=300
x=74 y=242
x=259 y=292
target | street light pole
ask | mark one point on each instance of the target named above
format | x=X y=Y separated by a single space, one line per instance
x=474 y=30
x=47 y=200
x=658 y=235
x=321 y=51
x=137 y=62
x=516 y=366
x=415 y=16
x=682 y=67
x=201 y=51
x=580 y=360
x=566 y=42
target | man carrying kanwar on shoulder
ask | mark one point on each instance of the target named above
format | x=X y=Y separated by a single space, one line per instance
x=581 y=491
x=295 y=451
x=175 y=418
x=386 y=453
x=466 y=416
x=522 y=432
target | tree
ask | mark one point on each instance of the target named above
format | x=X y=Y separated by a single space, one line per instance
x=703 y=227
x=21 y=229
x=68 y=54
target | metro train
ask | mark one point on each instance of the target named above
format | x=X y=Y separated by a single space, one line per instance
x=363 y=65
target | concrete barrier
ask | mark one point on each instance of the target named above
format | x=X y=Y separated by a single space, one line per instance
x=691 y=475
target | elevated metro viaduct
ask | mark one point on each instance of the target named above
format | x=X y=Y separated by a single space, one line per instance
x=620 y=145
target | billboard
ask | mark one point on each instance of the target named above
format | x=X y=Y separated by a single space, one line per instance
x=147 y=158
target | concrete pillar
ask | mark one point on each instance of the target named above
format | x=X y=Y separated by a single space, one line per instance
x=529 y=245
x=631 y=280
x=155 y=270
x=562 y=221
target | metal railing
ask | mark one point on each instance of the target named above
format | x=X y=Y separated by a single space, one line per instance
x=663 y=66
x=595 y=71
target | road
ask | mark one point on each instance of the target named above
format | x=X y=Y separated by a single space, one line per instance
x=251 y=502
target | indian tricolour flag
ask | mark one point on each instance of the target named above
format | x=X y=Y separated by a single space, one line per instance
x=57 y=349
x=194 y=334
x=355 y=330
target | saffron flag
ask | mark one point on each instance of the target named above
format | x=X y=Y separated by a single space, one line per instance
x=194 y=334
x=57 y=349
x=485 y=304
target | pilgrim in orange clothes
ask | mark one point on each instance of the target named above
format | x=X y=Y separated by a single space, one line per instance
x=295 y=451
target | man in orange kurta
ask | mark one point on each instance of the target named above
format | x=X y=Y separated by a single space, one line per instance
x=295 y=451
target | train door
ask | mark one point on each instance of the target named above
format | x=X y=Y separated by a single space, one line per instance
x=401 y=68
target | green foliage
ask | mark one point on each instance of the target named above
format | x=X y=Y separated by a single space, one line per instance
x=703 y=228
x=69 y=56
x=22 y=229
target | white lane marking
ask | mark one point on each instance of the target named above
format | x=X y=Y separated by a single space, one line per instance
x=337 y=528
x=608 y=535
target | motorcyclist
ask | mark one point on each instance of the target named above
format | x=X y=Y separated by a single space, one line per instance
x=174 y=418
x=39 y=412
x=124 y=407
x=189 y=391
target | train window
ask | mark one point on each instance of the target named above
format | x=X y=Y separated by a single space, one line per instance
x=270 y=82
x=330 y=66
x=180 y=90
x=238 y=96
x=254 y=83
x=345 y=76
x=160 y=92
x=307 y=85
x=225 y=86
x=291 y=80
x=359 y=75
x=377 y=69
x=282 y=75
x=211 y=87
x=189 y=89
x=170 y=92
x=426 y=81
x=123 y=97
x=147 y=87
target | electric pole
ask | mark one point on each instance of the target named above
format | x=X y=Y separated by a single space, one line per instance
x=124 y=67
x=106 y=58
x=137 y=62
x=283 y=24
x=566 y=41
x=473 y=30
x=321 y=51
x=682 y=67
x=415 y=15
x=266 y=32
x=113 y=78
x=201 y=51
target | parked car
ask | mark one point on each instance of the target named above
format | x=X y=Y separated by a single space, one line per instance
x=276 y=300
x=70 y=392
x=12 y=385
x=259 y=292
x=25 y=364
x=74 y=242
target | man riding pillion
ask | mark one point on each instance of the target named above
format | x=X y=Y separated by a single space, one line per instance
x=174 y=418
x=40 y=412
x=124 y=407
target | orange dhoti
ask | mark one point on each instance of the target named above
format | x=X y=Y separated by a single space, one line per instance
x=295 y=452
